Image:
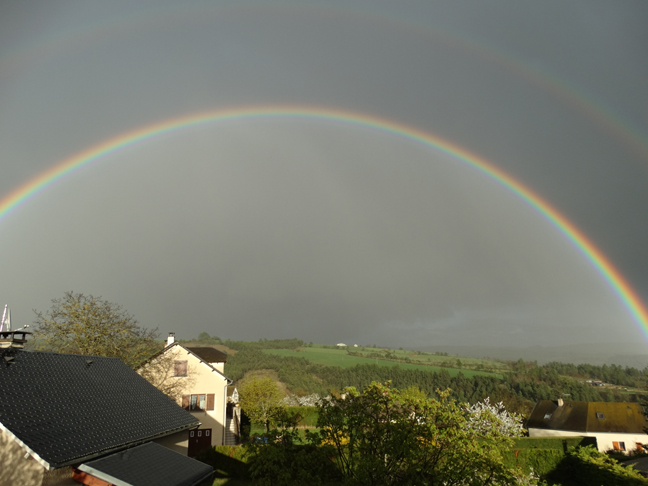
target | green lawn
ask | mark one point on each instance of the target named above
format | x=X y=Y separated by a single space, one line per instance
x=339 y=357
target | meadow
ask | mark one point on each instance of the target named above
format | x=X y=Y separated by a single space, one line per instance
x=329 y=356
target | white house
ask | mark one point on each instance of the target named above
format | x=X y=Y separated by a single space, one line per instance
x=616 y=426
x=204 y=395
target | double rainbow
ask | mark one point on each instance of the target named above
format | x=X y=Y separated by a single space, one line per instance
x=617 y=282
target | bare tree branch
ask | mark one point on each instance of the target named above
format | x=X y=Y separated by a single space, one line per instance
x=85 y=324
x=160 y=372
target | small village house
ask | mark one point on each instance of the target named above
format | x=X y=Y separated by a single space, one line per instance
x=67 y=419
x=204 y=393
x=616 y=426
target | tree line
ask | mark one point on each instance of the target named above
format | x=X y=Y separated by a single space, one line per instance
x=86 y=324
x=519 y=390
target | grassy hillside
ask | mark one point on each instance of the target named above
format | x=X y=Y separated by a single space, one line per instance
x=305 y=368
x=339 y=357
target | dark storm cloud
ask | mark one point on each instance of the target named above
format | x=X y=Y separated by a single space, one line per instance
x=318 y=230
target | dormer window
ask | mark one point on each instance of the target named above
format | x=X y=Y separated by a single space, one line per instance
x=547 y=416
x=600 y=415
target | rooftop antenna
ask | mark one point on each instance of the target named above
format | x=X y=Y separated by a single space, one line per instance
x=3 y=318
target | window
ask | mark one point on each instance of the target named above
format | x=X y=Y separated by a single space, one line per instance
x=547 y=416
x=600 y=415
x=618 y=446
x=198 y=402
x=639 y=446
x=179 y=368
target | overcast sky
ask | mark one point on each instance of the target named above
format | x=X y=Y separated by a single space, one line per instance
x=322 y=229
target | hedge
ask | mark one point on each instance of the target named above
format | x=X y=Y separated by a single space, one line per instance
x=542 y=454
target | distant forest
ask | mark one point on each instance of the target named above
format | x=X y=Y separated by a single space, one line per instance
x=523 y=383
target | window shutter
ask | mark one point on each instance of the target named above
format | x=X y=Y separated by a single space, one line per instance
x=210 y=401
x=179 y=368
x=185 y=401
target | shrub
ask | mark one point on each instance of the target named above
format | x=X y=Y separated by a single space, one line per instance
x=278 y=458
x=227 y=461
x=382 y=437
x=585 y=466
x=284 y=464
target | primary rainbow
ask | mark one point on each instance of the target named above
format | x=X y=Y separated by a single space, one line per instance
x=617 y=282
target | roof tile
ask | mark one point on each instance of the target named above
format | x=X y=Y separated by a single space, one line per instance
x=65 y=409
x=149 y=465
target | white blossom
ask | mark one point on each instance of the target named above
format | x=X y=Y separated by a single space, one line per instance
x=307 y=401
x=485 y=418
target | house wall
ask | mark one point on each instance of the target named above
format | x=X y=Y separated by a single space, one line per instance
x=177 y=442
x=60 y=477
x=201 y=380
x=15 y=469
x=205 y=380
x=603 y=439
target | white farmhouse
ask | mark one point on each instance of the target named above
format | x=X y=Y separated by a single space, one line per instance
x=616 y=426
x=205 y=394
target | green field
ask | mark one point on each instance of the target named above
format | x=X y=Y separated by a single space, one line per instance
x=339 y=357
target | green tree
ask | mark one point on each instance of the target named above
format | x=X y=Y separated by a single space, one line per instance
x=382 y=437
x=204 y=337
x=283 y=459
x=85 y=324
x=413 y=392
x=261 y=400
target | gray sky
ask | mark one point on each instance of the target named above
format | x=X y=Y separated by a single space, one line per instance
x=318 y=229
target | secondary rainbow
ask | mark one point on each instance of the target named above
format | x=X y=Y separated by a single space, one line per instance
x=594 y=110
x=617 y=282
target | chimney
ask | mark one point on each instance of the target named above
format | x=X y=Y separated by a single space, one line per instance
x=13 y=339
x=560 y=402
x=171 y=338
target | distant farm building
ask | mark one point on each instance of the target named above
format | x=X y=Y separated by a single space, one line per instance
x=616 y=426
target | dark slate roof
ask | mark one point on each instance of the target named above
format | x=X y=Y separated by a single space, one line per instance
x=148 y=465
x=209 y=355
x=66 y=408
x=620 y=417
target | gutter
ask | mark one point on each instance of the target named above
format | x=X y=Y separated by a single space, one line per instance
x=118 y=482
x=104 y=452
